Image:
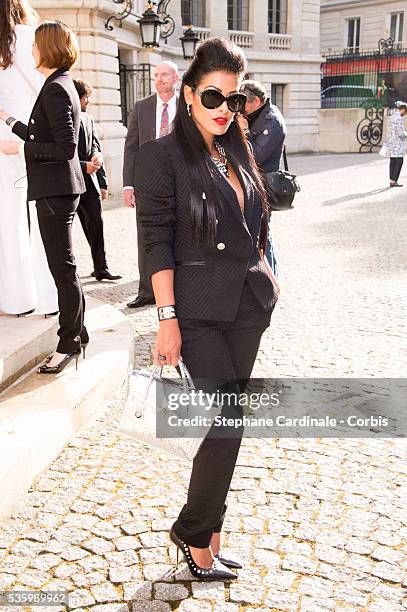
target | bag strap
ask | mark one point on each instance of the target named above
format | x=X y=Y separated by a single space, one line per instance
x=285 y=160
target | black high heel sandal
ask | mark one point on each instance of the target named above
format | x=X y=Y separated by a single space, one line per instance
x=46 y=369
x=83 y=347
x=217 y=571
x=51 y=314
x=22 y=314
x=231 y=563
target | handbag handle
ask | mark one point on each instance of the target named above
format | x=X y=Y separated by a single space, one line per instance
x=185 y=375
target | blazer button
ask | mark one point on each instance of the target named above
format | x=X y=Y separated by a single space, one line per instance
x=32 y=136
x=220 y=246
x=32 y=121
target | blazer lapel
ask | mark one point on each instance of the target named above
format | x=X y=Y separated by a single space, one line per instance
x=230 y=195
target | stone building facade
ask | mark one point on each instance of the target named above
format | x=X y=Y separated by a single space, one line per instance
x=349 y=25
x=279 y=37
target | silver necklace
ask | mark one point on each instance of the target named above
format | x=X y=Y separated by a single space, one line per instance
x=221 y=162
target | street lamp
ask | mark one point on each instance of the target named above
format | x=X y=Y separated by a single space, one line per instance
x=153 y=24
x=189 y=41
x=150 y=27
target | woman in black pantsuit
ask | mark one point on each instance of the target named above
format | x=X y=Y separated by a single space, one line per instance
x=203 y=207
x=55 y=179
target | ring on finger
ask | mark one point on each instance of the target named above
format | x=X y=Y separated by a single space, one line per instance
x=162 y=358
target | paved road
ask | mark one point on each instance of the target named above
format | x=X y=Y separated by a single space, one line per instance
x=320 y=524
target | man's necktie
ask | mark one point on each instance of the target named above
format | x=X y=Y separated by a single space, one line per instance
x=165 y=124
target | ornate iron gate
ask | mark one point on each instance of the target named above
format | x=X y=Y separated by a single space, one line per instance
x=135 y=83
x=370 y=130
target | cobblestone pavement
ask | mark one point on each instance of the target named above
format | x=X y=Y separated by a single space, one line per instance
x=321 y=524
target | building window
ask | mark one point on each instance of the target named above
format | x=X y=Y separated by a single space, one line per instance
x=396 y=23
x=353 y=35
x=277 y=96
x=193 y=12
x=277 y=16
x=238 y=15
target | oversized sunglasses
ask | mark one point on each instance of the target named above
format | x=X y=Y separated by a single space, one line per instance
x=212 y=98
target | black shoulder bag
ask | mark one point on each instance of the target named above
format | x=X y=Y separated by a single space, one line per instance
x=282 y=186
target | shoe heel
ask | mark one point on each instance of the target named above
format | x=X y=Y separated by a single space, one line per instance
x=84 y=352
x=176 y=567
x=76 y=361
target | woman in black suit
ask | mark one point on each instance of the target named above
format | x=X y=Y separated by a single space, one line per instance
x=203 y=207
x=55 y=179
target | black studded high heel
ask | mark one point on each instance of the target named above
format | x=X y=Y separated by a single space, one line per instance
x=217 y=571
x=46 y=369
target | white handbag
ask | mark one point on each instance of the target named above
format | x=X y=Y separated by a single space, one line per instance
x=147 y=411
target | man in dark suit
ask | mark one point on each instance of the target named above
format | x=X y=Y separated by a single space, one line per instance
x=267 y=132
x=151 y=118
x=90 y=204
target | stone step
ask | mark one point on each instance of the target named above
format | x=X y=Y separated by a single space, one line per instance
x=24 y=342
x=39 y=414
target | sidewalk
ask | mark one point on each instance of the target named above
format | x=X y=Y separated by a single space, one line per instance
x=320 y=524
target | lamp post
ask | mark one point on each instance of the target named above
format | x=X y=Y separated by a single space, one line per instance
x=385 y=48
x=189 y=41
x=370 y=129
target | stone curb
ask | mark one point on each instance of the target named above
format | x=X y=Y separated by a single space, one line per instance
x=41 y=413
x=24 y=343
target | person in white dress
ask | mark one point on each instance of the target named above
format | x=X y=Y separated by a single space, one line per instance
x=395 y=145
x=25 y=280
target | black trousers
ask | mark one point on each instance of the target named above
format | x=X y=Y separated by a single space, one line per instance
x=90 y=215
x=223 y=354
x=55 y=216
x=145 y=288
x=396 y=164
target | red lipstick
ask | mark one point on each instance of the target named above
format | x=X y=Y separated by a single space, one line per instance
x=221 y=121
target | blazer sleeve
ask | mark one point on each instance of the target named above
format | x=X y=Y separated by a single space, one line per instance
x=96 y=148
x=156 y=202
x=58 y=108
x=131 y=148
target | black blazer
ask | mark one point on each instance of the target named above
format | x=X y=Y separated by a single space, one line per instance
x=88 y=145
x=51 y=137
x=208 y=279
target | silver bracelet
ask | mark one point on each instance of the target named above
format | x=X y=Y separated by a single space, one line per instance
x=166 y=312
x=10 y=120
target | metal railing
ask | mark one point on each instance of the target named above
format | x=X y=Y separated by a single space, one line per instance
x=135 y=83
x=360 y=80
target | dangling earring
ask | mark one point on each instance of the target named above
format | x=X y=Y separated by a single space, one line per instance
x=189 y=109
